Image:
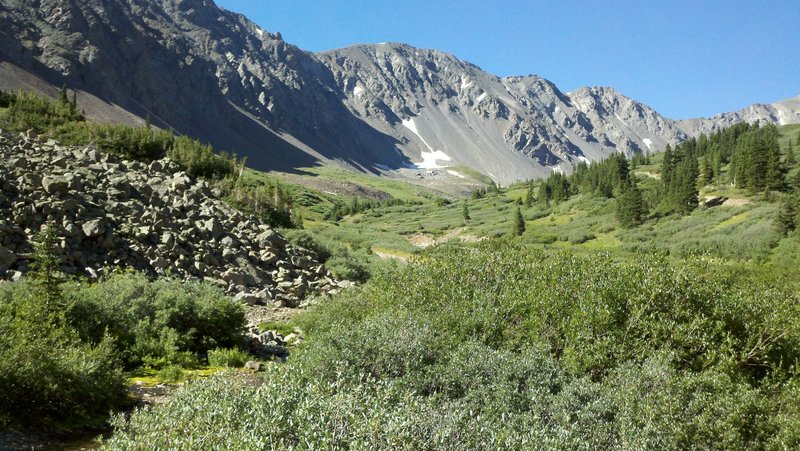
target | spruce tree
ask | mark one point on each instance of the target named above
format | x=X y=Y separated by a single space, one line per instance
x=62 y=96
x=518 y=226
x=630 y=208
x=46 y=274
x=465 y=212
x=529 y=195
x=73 y=104
x=544 y=194
x=785 y=222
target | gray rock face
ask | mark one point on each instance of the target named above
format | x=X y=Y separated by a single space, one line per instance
x=212 y=74
x=780 y=113
x=148 y=217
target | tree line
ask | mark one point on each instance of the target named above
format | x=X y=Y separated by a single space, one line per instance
x=747 y=156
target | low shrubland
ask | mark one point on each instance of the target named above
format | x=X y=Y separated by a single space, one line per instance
x=61 y=120
x=501 y=346
x=63 y=351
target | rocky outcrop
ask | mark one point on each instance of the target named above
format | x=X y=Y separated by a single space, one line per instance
x=110 y=213
x=779 y=113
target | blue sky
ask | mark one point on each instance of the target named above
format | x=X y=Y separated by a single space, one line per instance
x=683 y=58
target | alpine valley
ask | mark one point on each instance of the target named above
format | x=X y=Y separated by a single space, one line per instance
x=212 y=239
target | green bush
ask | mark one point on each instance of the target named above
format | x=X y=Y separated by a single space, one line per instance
x=48 y=376
x=199 y=160
x=171 y=374
x=232 y=358
x=134 y=143
x=30 y=111
x=154 y=322
x=501 y=347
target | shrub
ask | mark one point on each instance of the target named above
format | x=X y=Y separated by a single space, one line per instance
x=199 y=159
x=47 y=374
x=501 y=347
x=171 y=373
x=232 y=358
x=157 y=321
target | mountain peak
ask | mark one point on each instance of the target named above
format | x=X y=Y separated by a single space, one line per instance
x=389 y=107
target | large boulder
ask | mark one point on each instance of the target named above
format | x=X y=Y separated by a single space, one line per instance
x=55 y=184
x=7 y=258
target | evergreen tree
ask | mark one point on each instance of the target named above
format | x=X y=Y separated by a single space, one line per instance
x=544 y=194
x=518 y=225
x=785 y=222
x=667 y=166
x=630 y=209
x=73 y=104
x=529 y=195
x=465 y=212
x=62 y=96
x=46 y=274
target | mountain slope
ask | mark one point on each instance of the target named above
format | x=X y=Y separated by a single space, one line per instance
x=783 y=112
x=386 y=108
x=195 y=68
x=512 y=128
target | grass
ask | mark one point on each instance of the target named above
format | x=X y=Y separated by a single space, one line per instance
x=395 y=188
x=149 y=377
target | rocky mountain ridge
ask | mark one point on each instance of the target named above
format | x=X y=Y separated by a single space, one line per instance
x=213 y=74
x=108 y=212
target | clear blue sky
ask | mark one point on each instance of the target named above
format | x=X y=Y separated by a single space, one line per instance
x=683 y=58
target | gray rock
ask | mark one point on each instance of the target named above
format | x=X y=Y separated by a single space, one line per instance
x=56 y=185
x=7 y=258
x=249 y=298
x=252 y=365
x=93 y=228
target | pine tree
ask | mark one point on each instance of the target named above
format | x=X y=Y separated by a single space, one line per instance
x=667 y=166
x=518 y=226
x=529 y=195
x=630 y=208
x=465 y=212
x=544 y=194
x=785 y=222
x=62 y=96
x=73 y=104
x=46 y=274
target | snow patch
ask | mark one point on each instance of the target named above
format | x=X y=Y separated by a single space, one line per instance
x=457 y=174
x=430 y=160
x=230 y=57
x=358 y=90
x=584 y=159
x=465 y=83
x=621 y=120
x=647 y=142
x=480 y=98
x=411 y=125
x=260 y=32
x=557 y=169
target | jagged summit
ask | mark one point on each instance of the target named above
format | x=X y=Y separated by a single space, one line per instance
x=390 y=107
